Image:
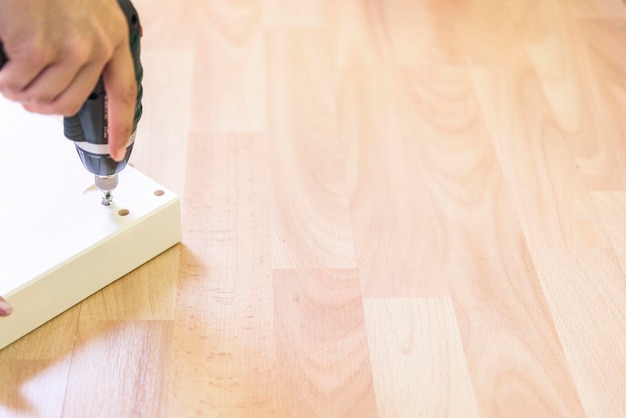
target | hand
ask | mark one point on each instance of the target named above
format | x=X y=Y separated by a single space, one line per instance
x=58 y=49
x=5 y=309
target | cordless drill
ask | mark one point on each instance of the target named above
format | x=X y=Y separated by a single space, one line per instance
x=89 y=127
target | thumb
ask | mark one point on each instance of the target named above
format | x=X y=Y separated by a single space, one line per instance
x=121 y=88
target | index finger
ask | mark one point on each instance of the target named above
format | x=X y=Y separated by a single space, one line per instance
x=121 y=88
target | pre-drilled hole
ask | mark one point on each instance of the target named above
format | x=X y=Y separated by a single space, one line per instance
x=159 y=192
x=123 y=212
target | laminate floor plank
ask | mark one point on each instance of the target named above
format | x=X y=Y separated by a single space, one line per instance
x=554 y=204
x=356 y=29
x=586 y=293
x=26 y=382
x=310 y=213
x=169 y=25
x=117 y=302
x=35 y=368
x=611 y=207
x=417 y=358
x=557 y=214
x=229 y=82
x=224 y=353
x=416 y=34
x=162 y=138
x=515 y=359
x=144 y=370
x=301 y=14
x=603 y=39
x=397 y=241
x=603 y=9
x=584 y=78
x=487 y=33
x=323 y=366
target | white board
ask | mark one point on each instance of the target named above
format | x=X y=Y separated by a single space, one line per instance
x=58 y=244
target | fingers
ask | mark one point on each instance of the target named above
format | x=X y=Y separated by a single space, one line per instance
x=54 y=83
x=18 y=73
x=68 y=101
x=58 y=90
x=5 y=309
x=48 y=86
x=121 y=88
x=44 y=89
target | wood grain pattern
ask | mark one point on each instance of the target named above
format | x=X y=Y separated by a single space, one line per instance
x=492 y=280
x=611 y=207
x=224 y=352
x=33 y=372
x=391 y=210
x=605 y=9
x=308 y=176
x=394 y=209
x=589 y=112
x=230 y=77
x=555 y=208
x=26 y=382
x=116 y=302
x=144 y=390
x=596 y=274
x=320 y=338
x=165 y=124
x=169 y=25
x=418 y=365
x=294 y=13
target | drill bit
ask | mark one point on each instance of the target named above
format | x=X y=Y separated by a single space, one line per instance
x=106 y=184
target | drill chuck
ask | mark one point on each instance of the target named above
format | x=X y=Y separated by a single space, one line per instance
x=106 y=184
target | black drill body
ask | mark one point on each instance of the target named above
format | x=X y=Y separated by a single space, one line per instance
x=89 y=127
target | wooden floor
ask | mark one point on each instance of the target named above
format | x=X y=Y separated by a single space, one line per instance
x=398 y=208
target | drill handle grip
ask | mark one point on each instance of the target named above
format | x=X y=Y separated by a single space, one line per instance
x=90 y=123
x=89 y=127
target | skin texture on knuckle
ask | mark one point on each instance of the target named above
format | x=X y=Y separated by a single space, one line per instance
x=79 y=51
x=31 y=58
x=42 y=97
x=39 y=54
x=105 y=51
x=68 y=105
